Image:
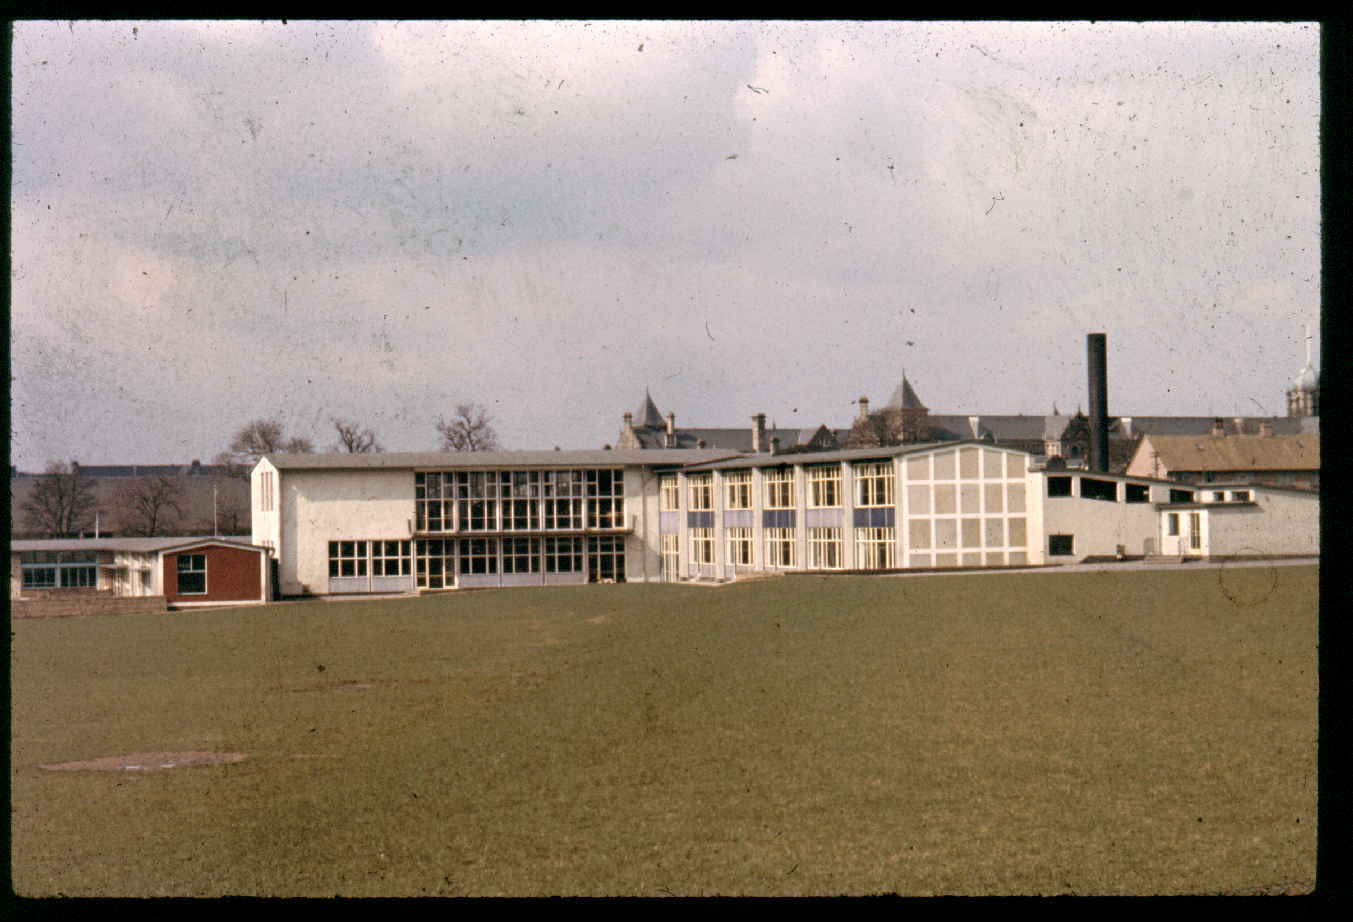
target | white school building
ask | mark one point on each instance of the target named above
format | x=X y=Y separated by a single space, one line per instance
x=406 y=522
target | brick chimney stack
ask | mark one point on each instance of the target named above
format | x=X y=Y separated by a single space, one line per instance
x=759 y=432
x=671 y=430
x=1218 y=429
x=864 y=408
x=1266 y=430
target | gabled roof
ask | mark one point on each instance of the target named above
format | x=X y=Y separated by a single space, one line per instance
x=648 y=415
x=1235 y=452
x=735 y=439
x=133 y=545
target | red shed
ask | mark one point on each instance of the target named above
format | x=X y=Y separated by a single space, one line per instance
x=213 y=572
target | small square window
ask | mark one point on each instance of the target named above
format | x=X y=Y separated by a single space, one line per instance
x=1059 y=486
x=1061 y=545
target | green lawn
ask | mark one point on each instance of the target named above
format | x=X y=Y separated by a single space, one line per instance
x=1098 y=733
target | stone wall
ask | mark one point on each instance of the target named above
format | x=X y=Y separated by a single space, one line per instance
x=85 y=604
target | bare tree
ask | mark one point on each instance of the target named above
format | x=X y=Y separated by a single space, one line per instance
x=62 y=502
x=262 y=437
x=888 y=426
x=146 y=502
x=469 y=429
x=353 y=439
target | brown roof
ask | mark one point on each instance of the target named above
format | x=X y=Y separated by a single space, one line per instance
x=1237 y=452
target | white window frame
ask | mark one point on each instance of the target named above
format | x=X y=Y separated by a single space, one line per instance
x=779 y=488
x=875 y=545
x=824 y=486
x=700 y=491
x=670 y=490
x=738 y=490
x=825 y=549
x=739 y=546
x=702 y=545
x=781 y=548
x=180 y=570
x=874 y=484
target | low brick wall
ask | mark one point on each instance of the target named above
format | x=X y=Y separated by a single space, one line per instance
x=82 y=604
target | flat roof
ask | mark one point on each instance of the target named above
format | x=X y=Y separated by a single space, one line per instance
x=135 y=545
x=443 y=460
x=842 y=454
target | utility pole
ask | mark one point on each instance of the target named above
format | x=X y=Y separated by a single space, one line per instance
x=215 y=528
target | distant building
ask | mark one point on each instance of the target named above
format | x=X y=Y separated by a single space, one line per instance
x=212 y=498
x=1279 y=460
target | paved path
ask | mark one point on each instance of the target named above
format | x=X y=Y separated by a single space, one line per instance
x=1128 y=566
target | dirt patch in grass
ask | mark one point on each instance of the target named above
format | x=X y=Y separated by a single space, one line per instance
x=147 y=762
x=599 y=619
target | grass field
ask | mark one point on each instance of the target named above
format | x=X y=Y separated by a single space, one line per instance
x=1104 y=733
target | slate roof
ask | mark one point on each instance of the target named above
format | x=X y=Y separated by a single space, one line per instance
x=648 y=415
x=904 y=398
x=734 y=439
x=1236 y=452
x=441 y=460
x=142 y=470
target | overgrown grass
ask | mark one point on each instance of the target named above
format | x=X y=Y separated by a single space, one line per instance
x=1013 y=734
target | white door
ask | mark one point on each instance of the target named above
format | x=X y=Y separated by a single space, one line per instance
x=1171 y=539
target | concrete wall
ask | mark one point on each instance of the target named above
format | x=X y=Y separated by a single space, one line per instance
x=1279 y=523
x=1096 y=526
x=317 y=507
x=266 y=525
x=964 y=507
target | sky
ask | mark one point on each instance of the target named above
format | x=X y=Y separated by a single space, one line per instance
x=214 y=222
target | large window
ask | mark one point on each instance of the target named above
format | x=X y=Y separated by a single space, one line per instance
x=521 y=555
x=563 y=500
x=479 y=555
x=874 y=548
x=1195 y=531
x=737 y=490
x=702 y=545
x=780 y=547
x=671 y=493
x=390 y=558
x=1136 y=493
x=605 y=499
x=824 y=548
x=192 y=574
x=700 y=489
x=346 y=558
x=740 y=546
x=63 y=569
x=671 y=556
x=563 y=555
x=476 y=501
x=874 y=484
x=1059 y=486
x=779 y=488
x=433 y=496
x=520 y=494
x=824 y=486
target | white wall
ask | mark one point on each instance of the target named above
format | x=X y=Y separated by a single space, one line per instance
x=1281 y=523
x=317 y=507
x=1097 y=526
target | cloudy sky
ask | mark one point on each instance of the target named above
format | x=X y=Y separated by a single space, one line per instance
x=214 y=222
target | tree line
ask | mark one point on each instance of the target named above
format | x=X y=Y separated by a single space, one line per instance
x=64 y=500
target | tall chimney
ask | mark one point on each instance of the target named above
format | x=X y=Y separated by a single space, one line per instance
x=671 y=430
x=864 y=408
x=1097 y=355
x=759 y=432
